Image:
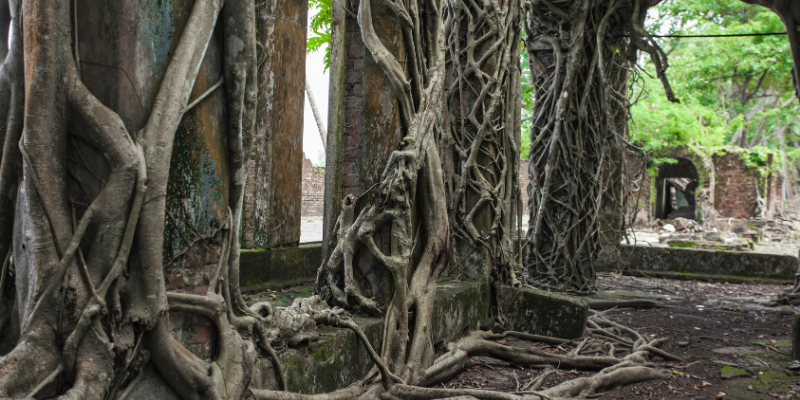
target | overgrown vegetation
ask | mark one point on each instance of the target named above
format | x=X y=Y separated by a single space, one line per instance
x=86 y=327
x=734 y=91
x=320 y=36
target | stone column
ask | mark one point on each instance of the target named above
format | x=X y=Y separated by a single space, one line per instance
x=273 y=199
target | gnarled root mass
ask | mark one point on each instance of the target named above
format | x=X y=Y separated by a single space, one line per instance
x=619 y=354
x=88 y=306
x=83 y=296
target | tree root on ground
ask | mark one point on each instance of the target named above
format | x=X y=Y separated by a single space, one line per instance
x=593 y=351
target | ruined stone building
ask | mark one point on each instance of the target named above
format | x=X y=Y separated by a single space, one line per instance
x=727 y=184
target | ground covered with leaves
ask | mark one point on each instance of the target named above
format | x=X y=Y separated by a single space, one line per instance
x=736 y=347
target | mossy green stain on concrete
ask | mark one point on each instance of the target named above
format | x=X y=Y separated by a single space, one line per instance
x=544 y=313
x=701 y=261
x=198 y=186
x=279 y=267
x=775 y=380
x=339 y=359
x=459 y=308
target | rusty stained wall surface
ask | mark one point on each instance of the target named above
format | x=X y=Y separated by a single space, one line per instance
x=272 y=208
x=125 y=48
x=372 y=115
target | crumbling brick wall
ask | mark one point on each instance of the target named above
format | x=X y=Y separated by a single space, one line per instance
x=735 y=186
x=313 y=189
x=738 y=186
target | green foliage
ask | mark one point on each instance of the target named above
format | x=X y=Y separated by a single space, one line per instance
x=702 y=65
x=658 y=123
x=726 y=85
x=525 y=143
x=527 y=101
x=321 y=27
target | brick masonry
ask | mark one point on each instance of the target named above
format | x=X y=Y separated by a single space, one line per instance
x=313 y=189
x=738 y=186
x=271 y=216
x=353 y=109
x=734 y=188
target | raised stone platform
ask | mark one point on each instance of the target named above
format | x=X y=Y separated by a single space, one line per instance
x=686 y=262
x=338 y=359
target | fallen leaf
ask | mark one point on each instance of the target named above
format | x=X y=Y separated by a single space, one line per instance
x=720 y=395
x=574 y=372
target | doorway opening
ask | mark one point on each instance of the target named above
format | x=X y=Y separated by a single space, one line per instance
x=676 y=186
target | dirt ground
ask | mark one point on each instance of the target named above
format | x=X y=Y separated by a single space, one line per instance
x=735 y=348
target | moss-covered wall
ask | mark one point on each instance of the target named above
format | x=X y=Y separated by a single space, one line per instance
x=279 y=267
x=686 y=260
x=542 y=313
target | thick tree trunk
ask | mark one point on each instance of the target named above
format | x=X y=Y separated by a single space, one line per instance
x=577 y=160
x=481 y=164
x=104 y=125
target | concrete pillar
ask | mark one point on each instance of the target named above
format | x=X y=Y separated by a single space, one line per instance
x=364 y=126
x=274 y=187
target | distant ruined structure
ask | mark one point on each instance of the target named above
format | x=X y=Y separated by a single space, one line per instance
x=729 y=183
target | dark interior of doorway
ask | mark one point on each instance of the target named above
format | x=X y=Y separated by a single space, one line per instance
x=676 y=185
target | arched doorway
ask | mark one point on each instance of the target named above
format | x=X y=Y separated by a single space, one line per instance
x=676 y=185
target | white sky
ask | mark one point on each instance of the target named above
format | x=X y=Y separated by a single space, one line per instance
x=312 y=144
